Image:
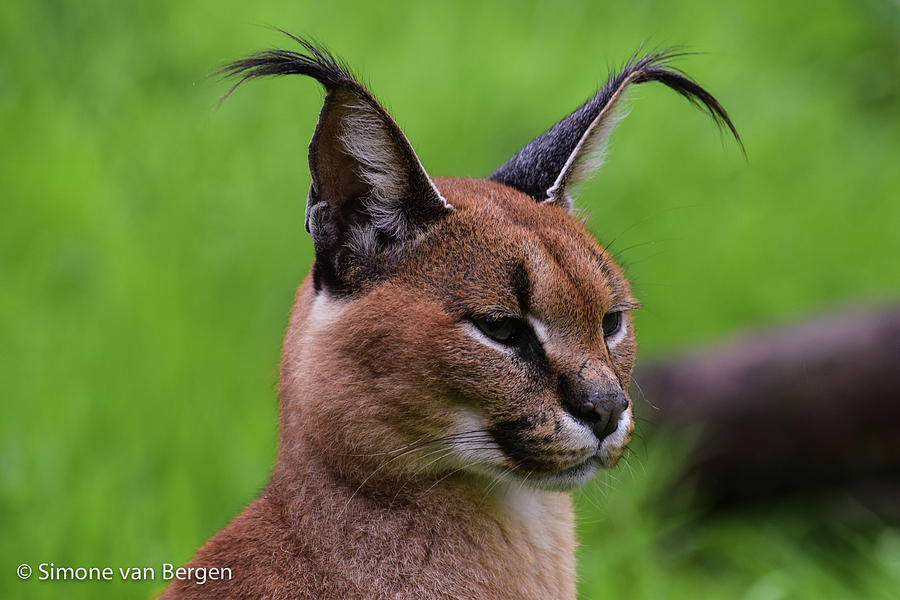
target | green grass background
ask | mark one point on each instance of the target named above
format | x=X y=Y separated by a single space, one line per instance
x=150 y=245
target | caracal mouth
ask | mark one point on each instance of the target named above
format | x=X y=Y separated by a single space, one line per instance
x=488 y=459
x=608 y=454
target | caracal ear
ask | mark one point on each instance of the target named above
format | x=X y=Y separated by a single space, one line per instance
x=369 y=193
x=551 y=165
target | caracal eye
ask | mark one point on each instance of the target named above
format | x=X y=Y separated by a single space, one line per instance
x=612 y=322
x=499 y=329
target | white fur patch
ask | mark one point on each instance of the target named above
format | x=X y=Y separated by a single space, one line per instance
x=471 y=441
x=526 y=507
x=578 y=436
x=323 y=312
x=540 y=329
x=614 y=442
x=472 y=331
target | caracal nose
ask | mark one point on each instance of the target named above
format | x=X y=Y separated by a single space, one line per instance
x=601 y=409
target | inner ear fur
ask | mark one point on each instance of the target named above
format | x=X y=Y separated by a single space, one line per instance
x=369 y=194
x=551 y=165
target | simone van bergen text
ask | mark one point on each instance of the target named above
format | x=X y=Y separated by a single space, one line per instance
x=167 y=572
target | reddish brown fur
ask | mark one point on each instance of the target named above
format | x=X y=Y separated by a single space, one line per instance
x=347 y=516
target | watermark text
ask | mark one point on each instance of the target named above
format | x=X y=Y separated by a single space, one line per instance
x=166 y=572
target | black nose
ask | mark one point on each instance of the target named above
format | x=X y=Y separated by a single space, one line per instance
x=601 y=409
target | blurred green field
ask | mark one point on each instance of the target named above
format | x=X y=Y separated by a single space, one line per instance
x=150 y=245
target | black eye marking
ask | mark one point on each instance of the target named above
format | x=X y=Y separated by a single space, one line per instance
x=521 y=286
x=612 y=322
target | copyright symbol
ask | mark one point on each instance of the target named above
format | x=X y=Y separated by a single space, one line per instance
x=24 y=571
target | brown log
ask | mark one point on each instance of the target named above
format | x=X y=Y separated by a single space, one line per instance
x=798 y=408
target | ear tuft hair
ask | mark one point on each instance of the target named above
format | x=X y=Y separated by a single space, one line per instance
x=317 y=63
x=573 y=148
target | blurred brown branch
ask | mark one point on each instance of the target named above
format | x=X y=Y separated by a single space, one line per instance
x=807 y=407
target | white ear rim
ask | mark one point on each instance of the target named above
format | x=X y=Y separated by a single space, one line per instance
x=587 y=158
x=590 y=152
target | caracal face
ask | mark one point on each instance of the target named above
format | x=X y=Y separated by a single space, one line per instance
x=501 y=345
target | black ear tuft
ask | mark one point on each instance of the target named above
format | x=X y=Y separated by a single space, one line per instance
x=369 y=193
x=571 y=150
x=317 y=63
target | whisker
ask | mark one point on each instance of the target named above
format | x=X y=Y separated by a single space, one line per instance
x=424 y=441
x=497 y=479
x=372 y=474
x=655 y=215
x=524 y=479
x=466 y=436
x=469 y=445
x=454 y=471
x=643 y=395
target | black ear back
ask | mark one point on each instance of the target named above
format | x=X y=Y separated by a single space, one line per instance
x=570 y=151
x=369 y=193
